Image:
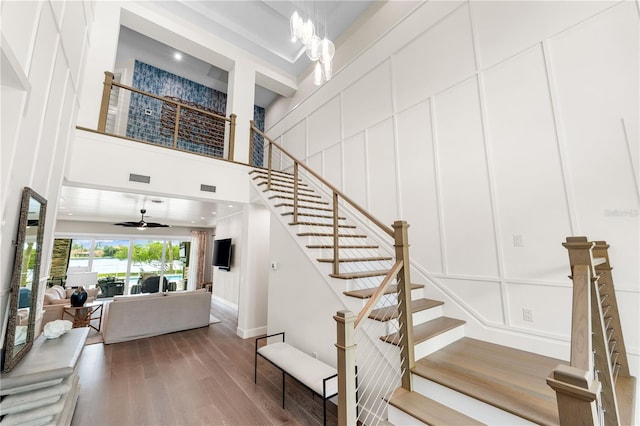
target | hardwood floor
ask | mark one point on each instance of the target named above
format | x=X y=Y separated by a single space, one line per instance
x=196 y=377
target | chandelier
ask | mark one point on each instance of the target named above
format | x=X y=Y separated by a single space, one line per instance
x=320 y=51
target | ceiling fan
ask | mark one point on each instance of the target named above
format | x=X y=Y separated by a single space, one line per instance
x=141 y=224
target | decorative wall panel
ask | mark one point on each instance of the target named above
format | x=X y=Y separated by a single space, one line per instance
x=383 y=201
x=324 y=126
x=333 y=165
x=367 y=101
x=428 y=65
x=546 y=317
x=526 y=163
x=598 y=90
x=51 y=123
x=468 y=222
x=355 y=173
x=482 y=298
x=525 y=23
x=295 y=140
x=418 y=186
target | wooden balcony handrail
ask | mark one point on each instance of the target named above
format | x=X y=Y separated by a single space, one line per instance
x=180 y=104
x=355 y=205
x=109 y=84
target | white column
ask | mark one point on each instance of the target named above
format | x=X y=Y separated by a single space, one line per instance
x=101 y=57
x=254 y=279
x=240 y=100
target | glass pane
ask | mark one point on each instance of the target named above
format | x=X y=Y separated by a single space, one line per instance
x=110 y=260
x=80 y=253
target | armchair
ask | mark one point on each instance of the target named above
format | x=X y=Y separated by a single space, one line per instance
x=56 y=297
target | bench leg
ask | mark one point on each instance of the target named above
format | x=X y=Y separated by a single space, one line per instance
x=283 y=389
x=324 y=412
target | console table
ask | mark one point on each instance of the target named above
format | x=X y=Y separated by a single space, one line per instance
x=43 y=387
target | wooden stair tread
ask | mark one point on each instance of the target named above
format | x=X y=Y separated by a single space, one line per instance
x=306 y=194
x=625 y=395
x=279 y=179
x=426 y=330
x=360 y=274
x=427 y=410
x=327 y=234
x=301 y=206
x=305 y=191
x=390 y=312
x=321 y=216
x=357 y=259
x=365 y=293
x=342 y=246
x=507 y=378
x=300 y=198
x=342 y=225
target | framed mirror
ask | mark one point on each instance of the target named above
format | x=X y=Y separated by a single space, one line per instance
x=25 y=280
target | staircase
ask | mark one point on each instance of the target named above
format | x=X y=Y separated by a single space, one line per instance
x=454 y=379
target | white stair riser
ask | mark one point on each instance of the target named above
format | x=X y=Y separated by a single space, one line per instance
x=320 y=240
x=327 y=253
x=425 y=315
x=301 y=210
x=398 y=417
x=420 y=317
x=438 y=342
x=466 y=405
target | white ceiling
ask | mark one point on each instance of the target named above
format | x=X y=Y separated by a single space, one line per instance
x=97 y=205
x=260 y=27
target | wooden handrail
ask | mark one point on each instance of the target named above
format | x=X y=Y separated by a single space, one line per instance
x=355 y=205
x=141 y=92
x=380 y=291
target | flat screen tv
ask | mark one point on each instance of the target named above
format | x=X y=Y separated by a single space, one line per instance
x=222 y=254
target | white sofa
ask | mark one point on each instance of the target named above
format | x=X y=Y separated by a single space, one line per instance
x=145 y=315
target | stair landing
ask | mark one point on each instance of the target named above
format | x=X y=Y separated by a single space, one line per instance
x=507 y=378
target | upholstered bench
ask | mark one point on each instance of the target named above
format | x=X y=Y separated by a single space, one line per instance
x=314 y=374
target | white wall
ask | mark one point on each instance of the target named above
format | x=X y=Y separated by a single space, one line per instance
x=43 y=53
x=226 y=284
x=300 y=302
x=172 y=173
x=487 y=123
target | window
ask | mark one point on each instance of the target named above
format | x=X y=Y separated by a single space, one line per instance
x=122 y=265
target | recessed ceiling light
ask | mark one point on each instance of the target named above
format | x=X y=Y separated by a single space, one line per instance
x=202 y=218
x=214 y=213
x=62 y=207
x=69 y=214
x=177 y=56
x=230 y=205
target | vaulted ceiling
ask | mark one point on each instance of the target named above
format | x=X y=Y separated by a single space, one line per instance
x=260 y=27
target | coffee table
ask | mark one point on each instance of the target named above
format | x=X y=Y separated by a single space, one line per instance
x=83 y=315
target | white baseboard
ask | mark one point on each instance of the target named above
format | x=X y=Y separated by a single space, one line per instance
x=253 y=332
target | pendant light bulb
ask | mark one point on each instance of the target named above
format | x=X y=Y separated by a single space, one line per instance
x=317 y=74
x=313 y=49
x=308 y=31
x=328 y=69
x=327 y=50
x=293 y=26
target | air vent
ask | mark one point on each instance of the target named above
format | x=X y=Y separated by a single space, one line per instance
x=207 y=188
x=139 y=178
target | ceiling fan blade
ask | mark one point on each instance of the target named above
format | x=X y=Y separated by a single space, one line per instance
x=131 y=224
x=157 y=225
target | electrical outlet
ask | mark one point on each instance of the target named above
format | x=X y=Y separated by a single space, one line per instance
x=527 y=314
x=517 y=241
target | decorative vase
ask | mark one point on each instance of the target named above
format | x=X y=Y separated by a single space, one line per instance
x=78 y=297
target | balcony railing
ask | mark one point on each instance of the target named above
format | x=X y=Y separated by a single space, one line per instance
x=164 y=120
